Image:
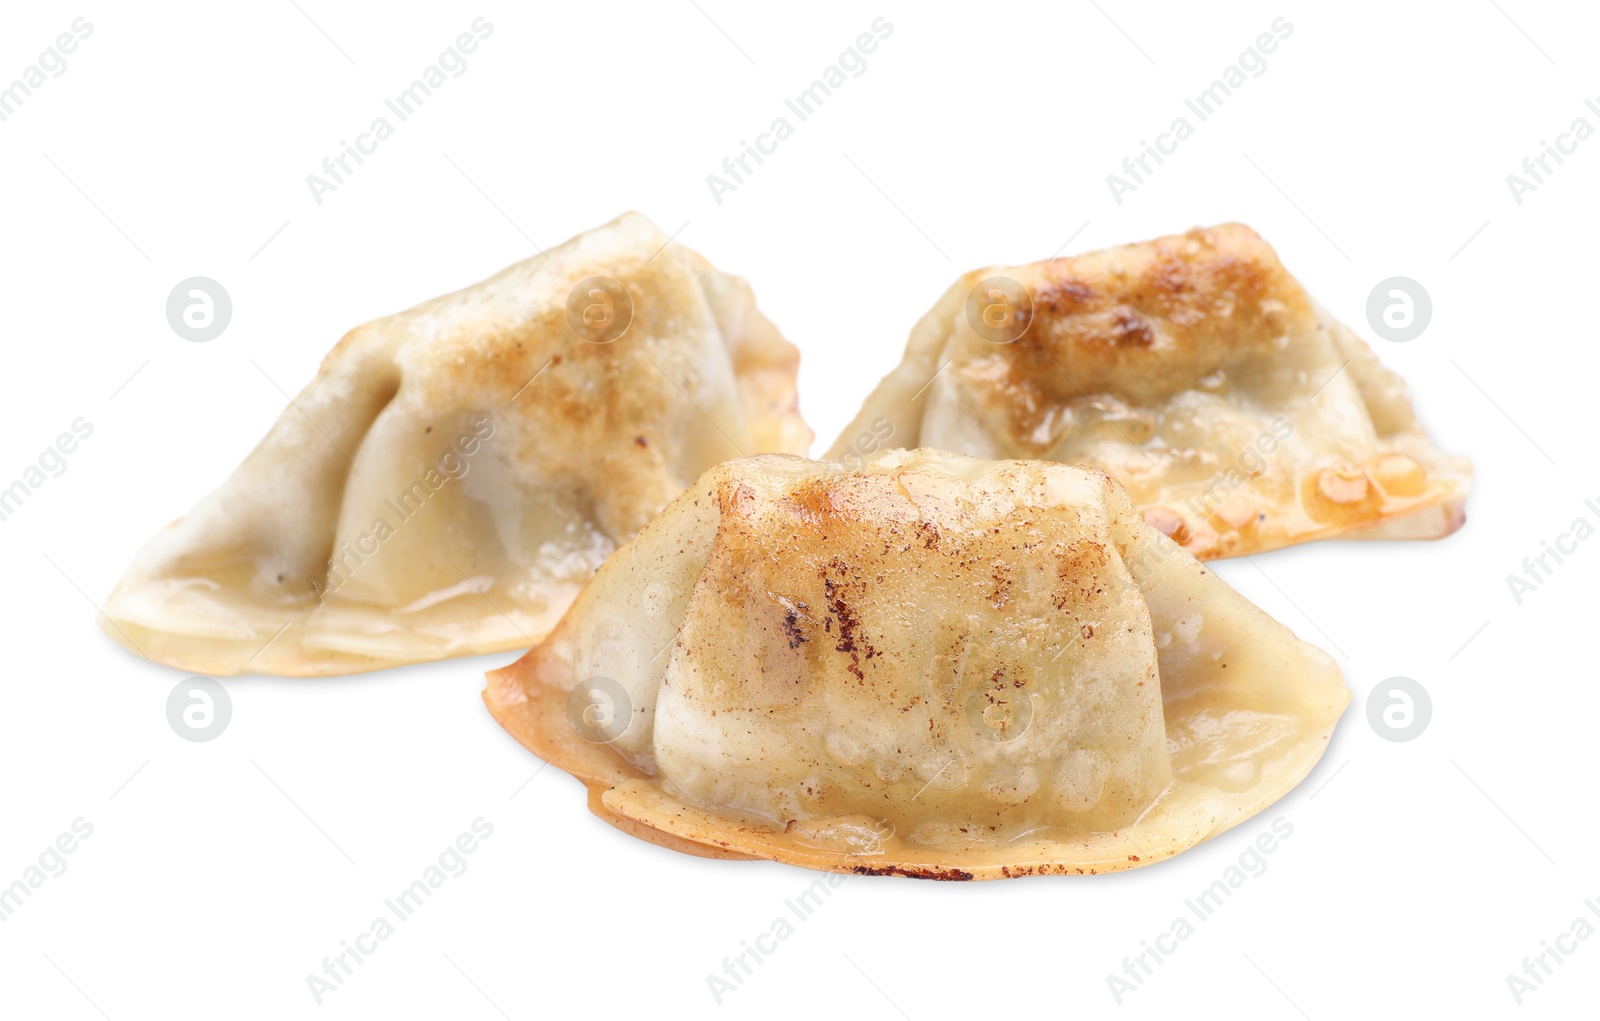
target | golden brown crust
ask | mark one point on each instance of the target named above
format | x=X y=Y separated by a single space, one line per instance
x=1197 y=372
x=1143 y=322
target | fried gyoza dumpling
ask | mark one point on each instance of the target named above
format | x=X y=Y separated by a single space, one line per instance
x=455 y=473
x=1194 y=370
x=923 y=665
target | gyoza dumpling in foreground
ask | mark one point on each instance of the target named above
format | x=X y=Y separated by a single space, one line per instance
x=456 y=472
x=1196 y=371
x=925 y=665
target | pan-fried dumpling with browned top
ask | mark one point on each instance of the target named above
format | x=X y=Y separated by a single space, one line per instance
x=1193 y=369
x=456 y=472
x=923 y=665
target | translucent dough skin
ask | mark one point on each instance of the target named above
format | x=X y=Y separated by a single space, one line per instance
x=923 y=665
x=1196 y=371
x=456 y=472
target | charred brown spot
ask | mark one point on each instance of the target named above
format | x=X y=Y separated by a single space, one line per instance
x=791 y=628
x=1063 y=297
x=1130 y=329
x=943 y=875
x=848 y=623
x=1171 y=280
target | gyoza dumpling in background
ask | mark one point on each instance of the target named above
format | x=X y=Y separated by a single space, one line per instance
x=1196 y=371
x=925 y=665
x=456 y=472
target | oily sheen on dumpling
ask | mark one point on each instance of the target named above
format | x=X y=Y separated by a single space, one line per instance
x=456 y=472
x=1196 y=371
x=922 y=665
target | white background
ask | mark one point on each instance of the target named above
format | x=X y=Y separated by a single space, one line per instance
x=1377 y=143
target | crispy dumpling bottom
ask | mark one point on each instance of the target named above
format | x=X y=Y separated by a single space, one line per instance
x=864 y=558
